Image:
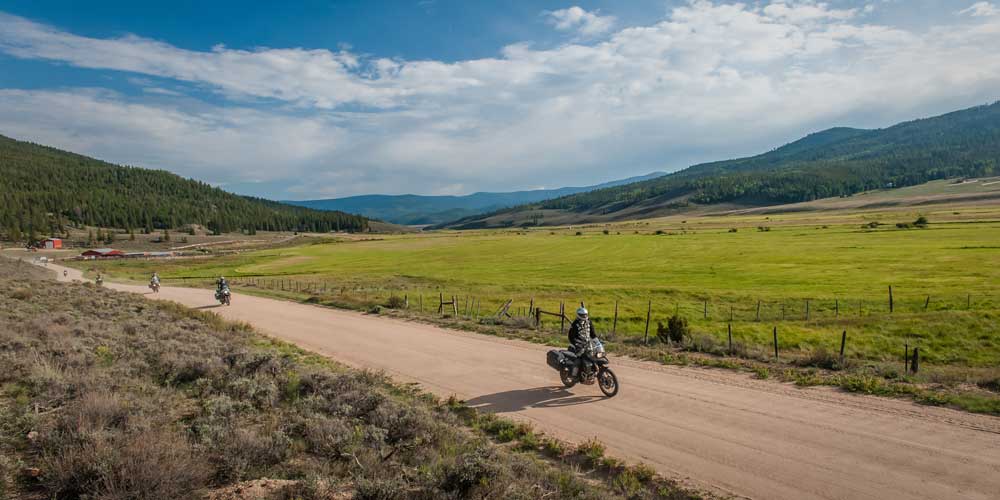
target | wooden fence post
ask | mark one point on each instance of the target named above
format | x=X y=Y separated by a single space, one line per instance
x=562 y=319
x=649 y=312
x=890 y=298
x=807 y=309
x=730 y=338
x=906 y=357
x=927 y=302
x=538 y=318
x=758 y=310
x=968 y=301
x=614 y=326
x=705 y=312
x=843 y=342
x=915 y=362
x=775 y=343
x=454 y=305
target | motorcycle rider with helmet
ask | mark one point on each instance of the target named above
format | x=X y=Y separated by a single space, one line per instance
x=580 y=333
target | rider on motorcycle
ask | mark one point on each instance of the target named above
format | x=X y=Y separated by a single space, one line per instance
x=580 y=333
x=155 y=280
x=221 y=284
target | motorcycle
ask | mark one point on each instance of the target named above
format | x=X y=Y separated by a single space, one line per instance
x=223 y=296
x=99 y=281
x=591 y=369
x=154 y=286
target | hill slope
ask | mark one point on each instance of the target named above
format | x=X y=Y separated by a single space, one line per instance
x=36 y=181
x=417 y=209
x=835 y=162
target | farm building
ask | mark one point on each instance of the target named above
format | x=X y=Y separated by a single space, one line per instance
x=102 y=253
x=52 y=244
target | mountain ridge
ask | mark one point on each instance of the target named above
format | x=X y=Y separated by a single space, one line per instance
x=412 y=209
x=838 y=161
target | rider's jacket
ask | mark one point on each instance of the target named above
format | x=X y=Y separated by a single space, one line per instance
x=580 y=332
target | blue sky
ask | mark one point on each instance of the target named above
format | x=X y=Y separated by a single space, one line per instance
x=336 y=98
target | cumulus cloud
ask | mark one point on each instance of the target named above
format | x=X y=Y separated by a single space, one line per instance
x=981 y=9
x=577 y=19
x=709 y=80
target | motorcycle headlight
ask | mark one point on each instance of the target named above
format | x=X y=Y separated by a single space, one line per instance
x=600 y=354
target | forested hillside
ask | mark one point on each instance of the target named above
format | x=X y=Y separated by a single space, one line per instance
x=835 y=162
x=42 y=189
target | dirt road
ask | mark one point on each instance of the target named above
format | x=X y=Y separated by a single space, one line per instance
x=719 y=430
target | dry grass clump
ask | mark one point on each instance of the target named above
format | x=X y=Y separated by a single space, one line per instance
x=109 y=396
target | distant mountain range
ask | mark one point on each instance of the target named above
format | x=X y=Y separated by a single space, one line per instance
x=411 y=209
x=831 y=163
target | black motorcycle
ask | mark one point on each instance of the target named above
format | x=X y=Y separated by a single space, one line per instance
x=224 y=296
x=588 y=368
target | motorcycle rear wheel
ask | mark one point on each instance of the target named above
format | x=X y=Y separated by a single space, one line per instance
x=608 y=382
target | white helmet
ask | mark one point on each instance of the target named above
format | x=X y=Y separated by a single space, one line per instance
x=581 y=312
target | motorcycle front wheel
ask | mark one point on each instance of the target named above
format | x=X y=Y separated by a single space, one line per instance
x=608 y=382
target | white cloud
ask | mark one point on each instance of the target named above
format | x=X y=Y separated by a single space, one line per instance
x=708 y=81
x=577 y=19
x=981 y=9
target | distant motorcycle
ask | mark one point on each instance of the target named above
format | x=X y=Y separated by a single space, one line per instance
x=224 y=296
x=154 y=286
x=591 y=367
x=99 y=281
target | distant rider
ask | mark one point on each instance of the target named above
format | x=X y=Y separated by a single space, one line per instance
x=580 y=333
x=222 y=284
x=155 y=280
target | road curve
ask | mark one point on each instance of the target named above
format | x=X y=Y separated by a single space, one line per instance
x=714 y=429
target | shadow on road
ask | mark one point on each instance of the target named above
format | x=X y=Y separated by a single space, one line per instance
x=212 y=306
x=520 y=399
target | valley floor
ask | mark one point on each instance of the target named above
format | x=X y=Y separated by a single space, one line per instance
x=720 y=430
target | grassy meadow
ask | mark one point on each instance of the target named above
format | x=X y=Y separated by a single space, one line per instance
x=724 y=265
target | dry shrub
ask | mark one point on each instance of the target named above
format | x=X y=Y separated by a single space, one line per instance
x=395 y=302
x=472 y=470
x=21 y=294
x=328 y=437
x=242 y=453
x=150 y=465
x=822 y=357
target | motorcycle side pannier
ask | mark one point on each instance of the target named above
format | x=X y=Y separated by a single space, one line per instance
x=555 y=359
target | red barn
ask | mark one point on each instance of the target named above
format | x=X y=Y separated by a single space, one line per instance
x=52 y=244
x=103 y=253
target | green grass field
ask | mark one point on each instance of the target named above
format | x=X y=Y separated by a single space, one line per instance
x=842 y=270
